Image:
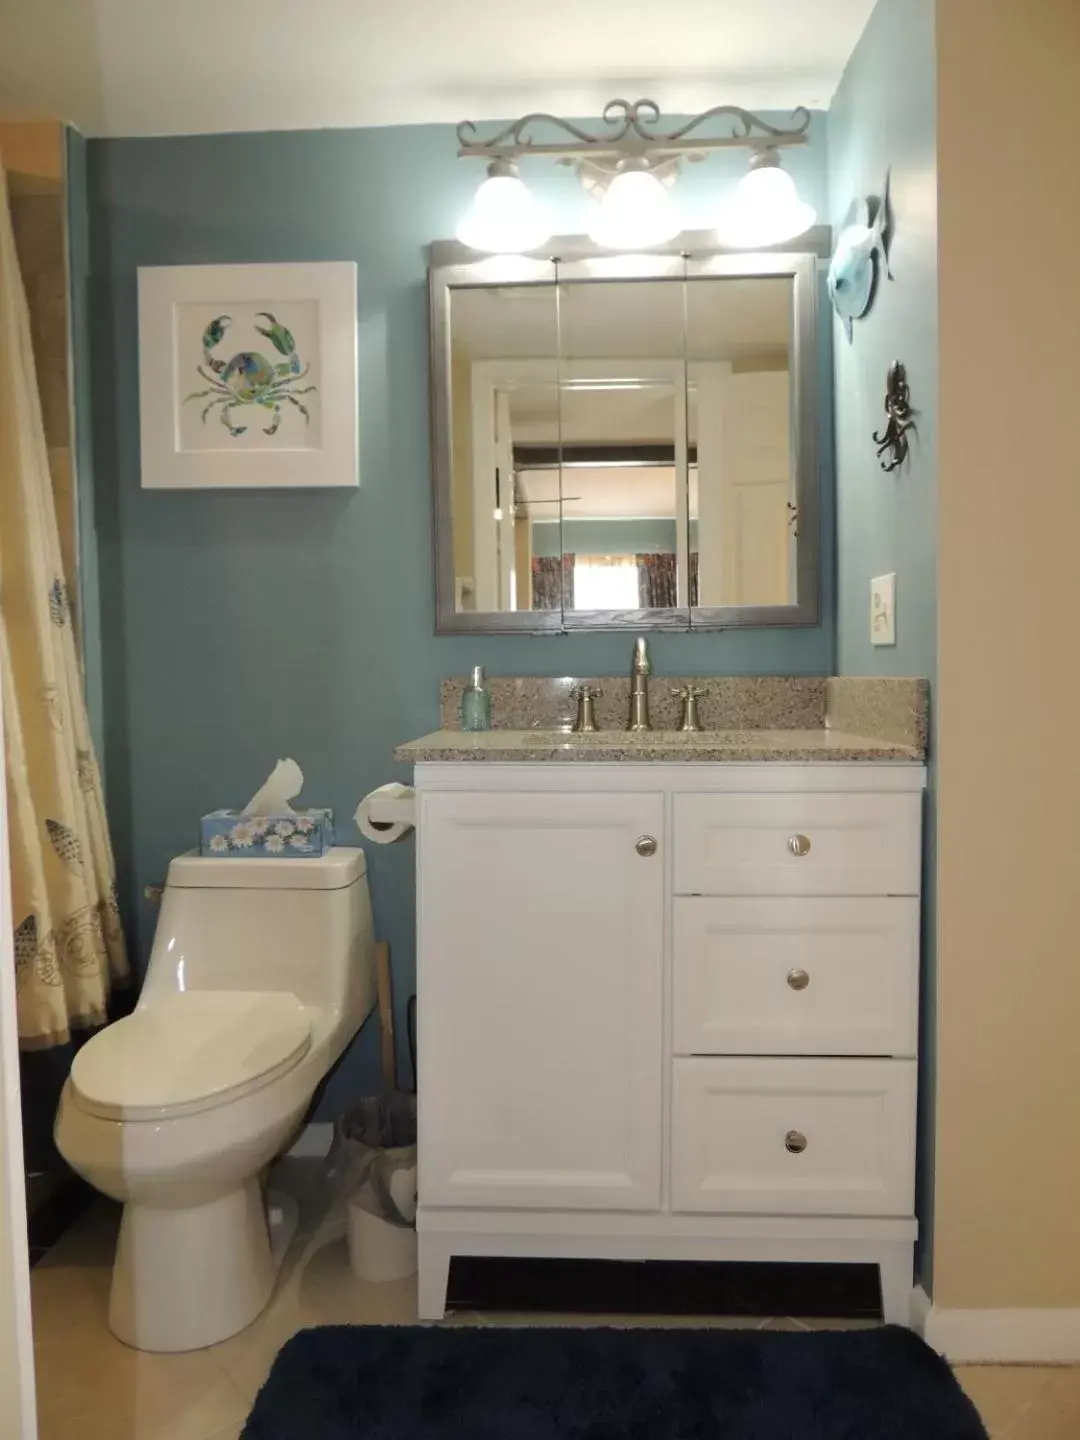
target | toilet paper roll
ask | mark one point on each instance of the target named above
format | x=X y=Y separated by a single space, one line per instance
x=386 y=815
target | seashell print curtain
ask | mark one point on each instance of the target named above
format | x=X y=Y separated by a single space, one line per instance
x=553 y=582
x=658 y=581
x=69 y=947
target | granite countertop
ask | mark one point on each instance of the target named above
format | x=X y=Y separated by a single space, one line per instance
x=526 y=747
x=780 y=718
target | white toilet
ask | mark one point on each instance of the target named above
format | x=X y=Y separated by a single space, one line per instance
x=261 y=973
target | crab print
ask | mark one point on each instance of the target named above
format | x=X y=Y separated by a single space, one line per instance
x=248 y=378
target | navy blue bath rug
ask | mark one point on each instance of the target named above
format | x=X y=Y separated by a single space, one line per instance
x=361 y=1382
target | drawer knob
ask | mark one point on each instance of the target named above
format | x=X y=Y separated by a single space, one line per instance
x=799 y=845
x=798 y=979
x=646 y=845
x=794 y=1142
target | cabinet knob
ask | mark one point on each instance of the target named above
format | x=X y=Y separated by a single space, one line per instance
x=798 y=979
x=646 y=845
x=799 y=845
x=794 y=1142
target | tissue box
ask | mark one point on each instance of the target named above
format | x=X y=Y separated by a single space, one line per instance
x=230 y=835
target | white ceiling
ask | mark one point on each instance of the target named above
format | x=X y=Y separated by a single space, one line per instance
x=645 y=493
x=151 y=67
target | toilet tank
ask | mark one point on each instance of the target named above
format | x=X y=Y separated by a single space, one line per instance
x=302 y=925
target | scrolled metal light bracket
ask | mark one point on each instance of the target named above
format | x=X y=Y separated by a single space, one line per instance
x=632 y=130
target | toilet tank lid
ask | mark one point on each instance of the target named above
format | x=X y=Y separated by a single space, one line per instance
x=341 y=866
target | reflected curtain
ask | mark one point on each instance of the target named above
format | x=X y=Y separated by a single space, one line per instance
x=552 y=578
x=658 y=581
x=69 y=946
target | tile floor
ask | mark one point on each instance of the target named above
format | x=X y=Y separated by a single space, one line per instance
x=90 y=1387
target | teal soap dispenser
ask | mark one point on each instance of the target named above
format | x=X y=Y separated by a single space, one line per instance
x=476 y=703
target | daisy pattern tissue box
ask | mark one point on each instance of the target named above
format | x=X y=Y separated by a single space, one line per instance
x=231 y=835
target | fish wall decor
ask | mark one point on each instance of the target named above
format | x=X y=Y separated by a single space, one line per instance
x=861 y=255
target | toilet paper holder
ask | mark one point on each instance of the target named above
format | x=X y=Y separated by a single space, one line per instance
x=393 y=810
x=387 y=815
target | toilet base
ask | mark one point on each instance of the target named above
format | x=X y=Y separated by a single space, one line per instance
x=185 y=1279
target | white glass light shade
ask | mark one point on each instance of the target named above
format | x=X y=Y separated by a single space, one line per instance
x=504 y=218
x=634 y=213
x=766 y=210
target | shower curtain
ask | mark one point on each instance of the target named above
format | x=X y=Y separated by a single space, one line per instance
x=69 y=946
x=553 y=582
x=658 y=587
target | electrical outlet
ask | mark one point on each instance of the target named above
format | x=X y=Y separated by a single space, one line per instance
x=883 y=610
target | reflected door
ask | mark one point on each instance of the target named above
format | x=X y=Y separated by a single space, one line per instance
x=504 y=392
x=744 y=491
x=623 y=445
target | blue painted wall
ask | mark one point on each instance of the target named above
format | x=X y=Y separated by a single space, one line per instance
x=884 y=115
x=237 y=628
x=604 y=537
x=78 y=283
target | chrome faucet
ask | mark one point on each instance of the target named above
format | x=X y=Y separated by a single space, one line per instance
x=639 y=687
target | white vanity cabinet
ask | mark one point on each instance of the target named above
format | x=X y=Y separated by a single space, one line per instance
x=542 y=931
x=668 y=1011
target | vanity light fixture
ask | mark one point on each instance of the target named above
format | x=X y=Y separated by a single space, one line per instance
x=629 y=170
x=504 y=218
x=766 y=209
x=632 y=210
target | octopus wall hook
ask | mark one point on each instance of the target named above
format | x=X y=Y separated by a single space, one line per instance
x=892 y=442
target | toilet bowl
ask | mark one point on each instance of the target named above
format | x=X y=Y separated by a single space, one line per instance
x=261 y=972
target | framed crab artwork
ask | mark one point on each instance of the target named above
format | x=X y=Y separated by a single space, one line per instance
x=248 y=376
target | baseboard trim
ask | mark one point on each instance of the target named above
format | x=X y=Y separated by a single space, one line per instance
x=921 y=1305
x=312 y=1141
x=998 y=1337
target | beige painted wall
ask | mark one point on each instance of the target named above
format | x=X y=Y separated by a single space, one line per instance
x=1007 y=1231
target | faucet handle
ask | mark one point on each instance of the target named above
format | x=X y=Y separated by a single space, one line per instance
x=585 y=694
x=689 y=694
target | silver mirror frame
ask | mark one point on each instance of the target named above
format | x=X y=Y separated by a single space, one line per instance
x=693 y=254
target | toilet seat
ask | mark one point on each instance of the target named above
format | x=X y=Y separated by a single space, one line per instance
x=189 y=1051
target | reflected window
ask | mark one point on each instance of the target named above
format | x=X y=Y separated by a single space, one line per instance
x=605 y=582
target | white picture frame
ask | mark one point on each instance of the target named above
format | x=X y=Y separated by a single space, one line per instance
x=248 y=376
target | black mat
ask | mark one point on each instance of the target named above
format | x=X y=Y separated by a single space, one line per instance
x=416 y=1383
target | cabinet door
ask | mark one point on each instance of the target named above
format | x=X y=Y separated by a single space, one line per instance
x=540 y=963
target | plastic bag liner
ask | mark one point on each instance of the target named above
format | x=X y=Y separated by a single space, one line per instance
x=373 y=1142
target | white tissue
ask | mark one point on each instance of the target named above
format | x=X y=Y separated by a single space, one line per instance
x=386 y=815
x=283 y=784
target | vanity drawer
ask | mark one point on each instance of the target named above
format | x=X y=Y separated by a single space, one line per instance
x=793 y=1137
x=792 y=976
x=797 y=844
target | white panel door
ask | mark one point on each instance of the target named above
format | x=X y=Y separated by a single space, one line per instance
x=778 y=975
x=802 y=844
x=794 y=1137
x=745 y=484
x=540 y=965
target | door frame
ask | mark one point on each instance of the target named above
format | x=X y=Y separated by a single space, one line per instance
x=17 y=1390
